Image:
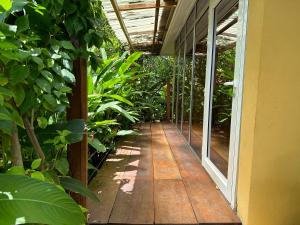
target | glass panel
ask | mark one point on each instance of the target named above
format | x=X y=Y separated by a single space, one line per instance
x=222 y=86
x=179 y=88
x=187 y=95
x=182 y=83
x=198 y=97
x=174 y=90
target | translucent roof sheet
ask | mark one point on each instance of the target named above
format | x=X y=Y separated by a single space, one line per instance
x=139 y=18
x=113 y=20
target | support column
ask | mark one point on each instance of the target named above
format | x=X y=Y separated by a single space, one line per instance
x=78 y=152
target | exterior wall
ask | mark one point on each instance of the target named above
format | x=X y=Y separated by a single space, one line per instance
x=269 y=164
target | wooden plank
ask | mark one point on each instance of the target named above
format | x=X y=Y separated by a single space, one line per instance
x=107 y=183
x=208 y=203
x=164 y=164
x=134 y=203
x=187 y=162
x=155 y=23
x=78 y=152
x=146 y=32
x=106 y=189
x=172 y=205
x=137 y=6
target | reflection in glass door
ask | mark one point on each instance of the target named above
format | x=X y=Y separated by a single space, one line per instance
x=226 y=42
x=222 y=79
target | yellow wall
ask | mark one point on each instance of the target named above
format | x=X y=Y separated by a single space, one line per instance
x=269 y=164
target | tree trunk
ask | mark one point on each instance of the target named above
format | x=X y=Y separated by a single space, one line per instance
x=34 y=141
x=16 y=154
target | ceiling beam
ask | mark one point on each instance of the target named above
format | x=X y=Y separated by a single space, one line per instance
x=121 y=21
x=168 y=23
x=227 y=26
x=127 y=7
x=155 y=22
x=144 y=32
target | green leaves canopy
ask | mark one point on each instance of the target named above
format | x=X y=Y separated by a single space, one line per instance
x=26 y=200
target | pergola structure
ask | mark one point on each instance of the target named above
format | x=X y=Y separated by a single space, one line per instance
x=142 y=25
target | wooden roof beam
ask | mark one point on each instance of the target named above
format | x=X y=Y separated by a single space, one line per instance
x=121 y=21
x=155 y=22
x=137 y=6
x=144 y=32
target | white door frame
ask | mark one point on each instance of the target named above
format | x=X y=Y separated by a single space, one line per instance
x=226 y=185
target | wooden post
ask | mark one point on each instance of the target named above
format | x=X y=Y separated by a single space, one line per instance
x=78 y=152
x=168 y=101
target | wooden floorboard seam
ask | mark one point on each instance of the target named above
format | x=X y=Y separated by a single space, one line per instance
x=153 y=183
x=111 y=211
x=184 y=184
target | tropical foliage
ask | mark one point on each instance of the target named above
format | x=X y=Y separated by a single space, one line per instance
x=112 y=112
x=39 y=42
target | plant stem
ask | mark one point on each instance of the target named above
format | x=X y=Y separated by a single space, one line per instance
x=34 y=141
x=16 y=154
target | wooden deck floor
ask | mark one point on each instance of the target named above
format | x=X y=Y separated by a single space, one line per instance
x=155 y=178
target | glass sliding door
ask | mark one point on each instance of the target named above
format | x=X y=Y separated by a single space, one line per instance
x=225 y=34
x=208 y=86
x=223 y=93
x=198 y=98
x=199 y=81
x=174 y=90
x=187 y=92
x=178 y=89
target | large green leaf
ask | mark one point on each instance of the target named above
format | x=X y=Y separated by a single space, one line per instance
x=90 y=84
x=96 y=144
x=22 y=23
x=4 y=44
x=6 y=126
x=130 y=60
x=120 y=98
x=43 y=84
x=76 y=127
x=114 y=106
x=68 y=76
x=26 y=200
x=62 y=165
x=127 y=133
x=103 y=123
x=19 y=95
x=18 y=73
x=105 y=106
x=6 y=91
x=5 y=5
x=76 y=186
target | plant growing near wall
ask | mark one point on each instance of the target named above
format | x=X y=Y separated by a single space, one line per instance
x=111 y=111
x=36 y=59
x=151 y=91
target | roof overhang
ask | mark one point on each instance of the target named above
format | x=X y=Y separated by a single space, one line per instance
x=181 y=14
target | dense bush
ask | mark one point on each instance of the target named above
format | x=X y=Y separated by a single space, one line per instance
x=38 y=42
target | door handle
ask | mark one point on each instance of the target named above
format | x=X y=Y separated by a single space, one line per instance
x=229 y=83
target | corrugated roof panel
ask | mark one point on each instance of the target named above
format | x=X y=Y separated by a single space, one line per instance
x=138 y=17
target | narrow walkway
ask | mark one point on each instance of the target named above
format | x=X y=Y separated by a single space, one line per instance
x=155 y=178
